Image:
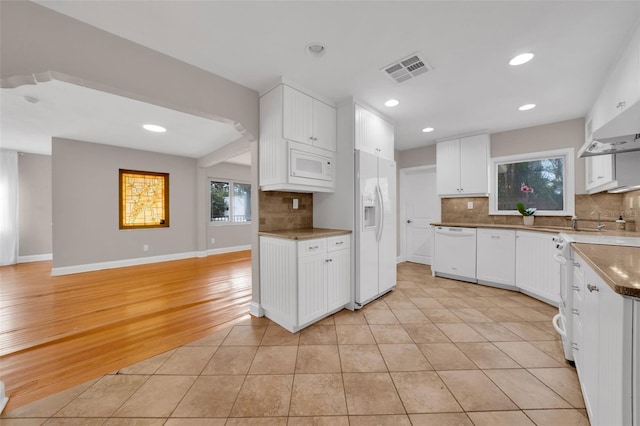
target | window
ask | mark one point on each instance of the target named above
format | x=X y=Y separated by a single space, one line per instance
x=230 y=201
x=543 y=180
x=144 y=199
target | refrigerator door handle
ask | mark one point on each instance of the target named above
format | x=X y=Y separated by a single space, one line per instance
x=381 y=215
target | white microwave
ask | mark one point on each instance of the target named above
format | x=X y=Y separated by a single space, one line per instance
x=309 y=165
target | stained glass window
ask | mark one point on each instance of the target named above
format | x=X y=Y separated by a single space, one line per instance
x=144 y=199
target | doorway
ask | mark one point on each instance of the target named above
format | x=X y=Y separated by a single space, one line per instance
x=420 y=206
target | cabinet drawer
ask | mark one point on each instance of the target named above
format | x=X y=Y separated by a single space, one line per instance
x=309 y=247
x=338 y=243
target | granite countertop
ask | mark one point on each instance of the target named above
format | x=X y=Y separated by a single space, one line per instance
x=542 y=228
x=618 y=266
x=305 y=233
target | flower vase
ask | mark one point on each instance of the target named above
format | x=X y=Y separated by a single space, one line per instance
x=528 y=220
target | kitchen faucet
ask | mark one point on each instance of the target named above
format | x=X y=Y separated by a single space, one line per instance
x=600 y=225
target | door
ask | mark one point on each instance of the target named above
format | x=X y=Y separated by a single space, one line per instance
x=387 y=245
x=367 y=245
x=422 y=207
x=448 y=161
x=324 y=126
x=297 y=116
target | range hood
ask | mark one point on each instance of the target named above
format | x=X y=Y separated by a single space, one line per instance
x=613 y=145
x=621 y=134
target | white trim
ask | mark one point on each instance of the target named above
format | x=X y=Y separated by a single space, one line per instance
x=256 y=309
x=569 y=181
x=35 y=258
x=89 y=267
x=3 y=397
x=228 y=249
x=399 y=259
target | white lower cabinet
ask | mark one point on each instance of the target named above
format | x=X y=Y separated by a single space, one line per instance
x=604 y=342
x=537 y=272
x=496 y=257
x=302 y=281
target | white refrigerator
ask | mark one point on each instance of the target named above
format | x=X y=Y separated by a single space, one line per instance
x=375 y=227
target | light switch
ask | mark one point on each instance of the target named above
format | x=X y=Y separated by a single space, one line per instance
x=470 y=205
x=295 y=203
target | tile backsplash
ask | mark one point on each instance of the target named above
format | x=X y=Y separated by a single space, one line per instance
x=609 y=205
x=277 y=212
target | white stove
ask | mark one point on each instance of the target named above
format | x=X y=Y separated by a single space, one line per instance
x=563 y=321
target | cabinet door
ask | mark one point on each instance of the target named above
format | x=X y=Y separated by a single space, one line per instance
x=312 y=287
x=297 y=116
x=474 y=164
x=537 y=272
x=364 y=136
x=448 y=167
x=324 y=126
x=338 y=279
x=590 y=335
x=600 y=172
x=496 y=256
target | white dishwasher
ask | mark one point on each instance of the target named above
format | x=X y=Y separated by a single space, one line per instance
x=455 y=253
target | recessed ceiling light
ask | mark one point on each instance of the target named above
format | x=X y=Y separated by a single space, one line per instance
x=527 y=107
x=523 y=58
x=154 y=128
x=392 y=103
x=315 y=49
x=428 y=129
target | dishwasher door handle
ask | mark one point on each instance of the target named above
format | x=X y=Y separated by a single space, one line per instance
x=456 y=234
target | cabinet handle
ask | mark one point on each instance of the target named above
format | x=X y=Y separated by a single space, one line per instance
x=599 y=177
x=574 y=345
x=328 y=260
x=339 y=243
x=621 y=104
x=495 y=237
x=592 y=288
x=575 y=312
x=313 y=248
x=577 y=264
x=575 y=287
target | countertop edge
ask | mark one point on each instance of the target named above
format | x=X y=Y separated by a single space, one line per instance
x=304 y=234
x=537 y=228
x=611 y=282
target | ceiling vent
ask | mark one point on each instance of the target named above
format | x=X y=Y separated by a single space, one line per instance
x=407 y=68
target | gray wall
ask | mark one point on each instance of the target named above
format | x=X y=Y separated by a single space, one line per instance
x=229 y=235
x=34 y=204
x=416 y=157
x=85 y=204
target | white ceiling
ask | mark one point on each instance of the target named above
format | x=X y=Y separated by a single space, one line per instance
x=74 y=112
x=468 y=43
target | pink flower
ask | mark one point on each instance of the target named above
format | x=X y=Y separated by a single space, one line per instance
x=525 y=188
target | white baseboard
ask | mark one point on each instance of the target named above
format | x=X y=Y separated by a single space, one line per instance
x=89 y=267
x=228 y=249
x=256 y=310
x=3 y=398
x=35 y=258
x=399 y=259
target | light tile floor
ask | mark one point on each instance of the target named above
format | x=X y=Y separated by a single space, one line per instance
x=432 y=352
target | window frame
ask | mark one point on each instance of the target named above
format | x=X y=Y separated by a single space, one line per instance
x=568 y=193
x=231 y=183
x=121 y=202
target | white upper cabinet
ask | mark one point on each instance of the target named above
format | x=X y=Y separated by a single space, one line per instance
x=622 y=87
x=463 y=166
x=308 y=120
x=373 y=134
x=297 y=147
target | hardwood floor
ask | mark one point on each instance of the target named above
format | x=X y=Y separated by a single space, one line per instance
x=57 y=332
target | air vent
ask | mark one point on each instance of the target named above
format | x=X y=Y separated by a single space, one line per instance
x=407 y=68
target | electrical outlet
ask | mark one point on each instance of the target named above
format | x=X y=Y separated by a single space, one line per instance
x=213 y=241
x=145 y=247
x=295 y=203
x=470 y=205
